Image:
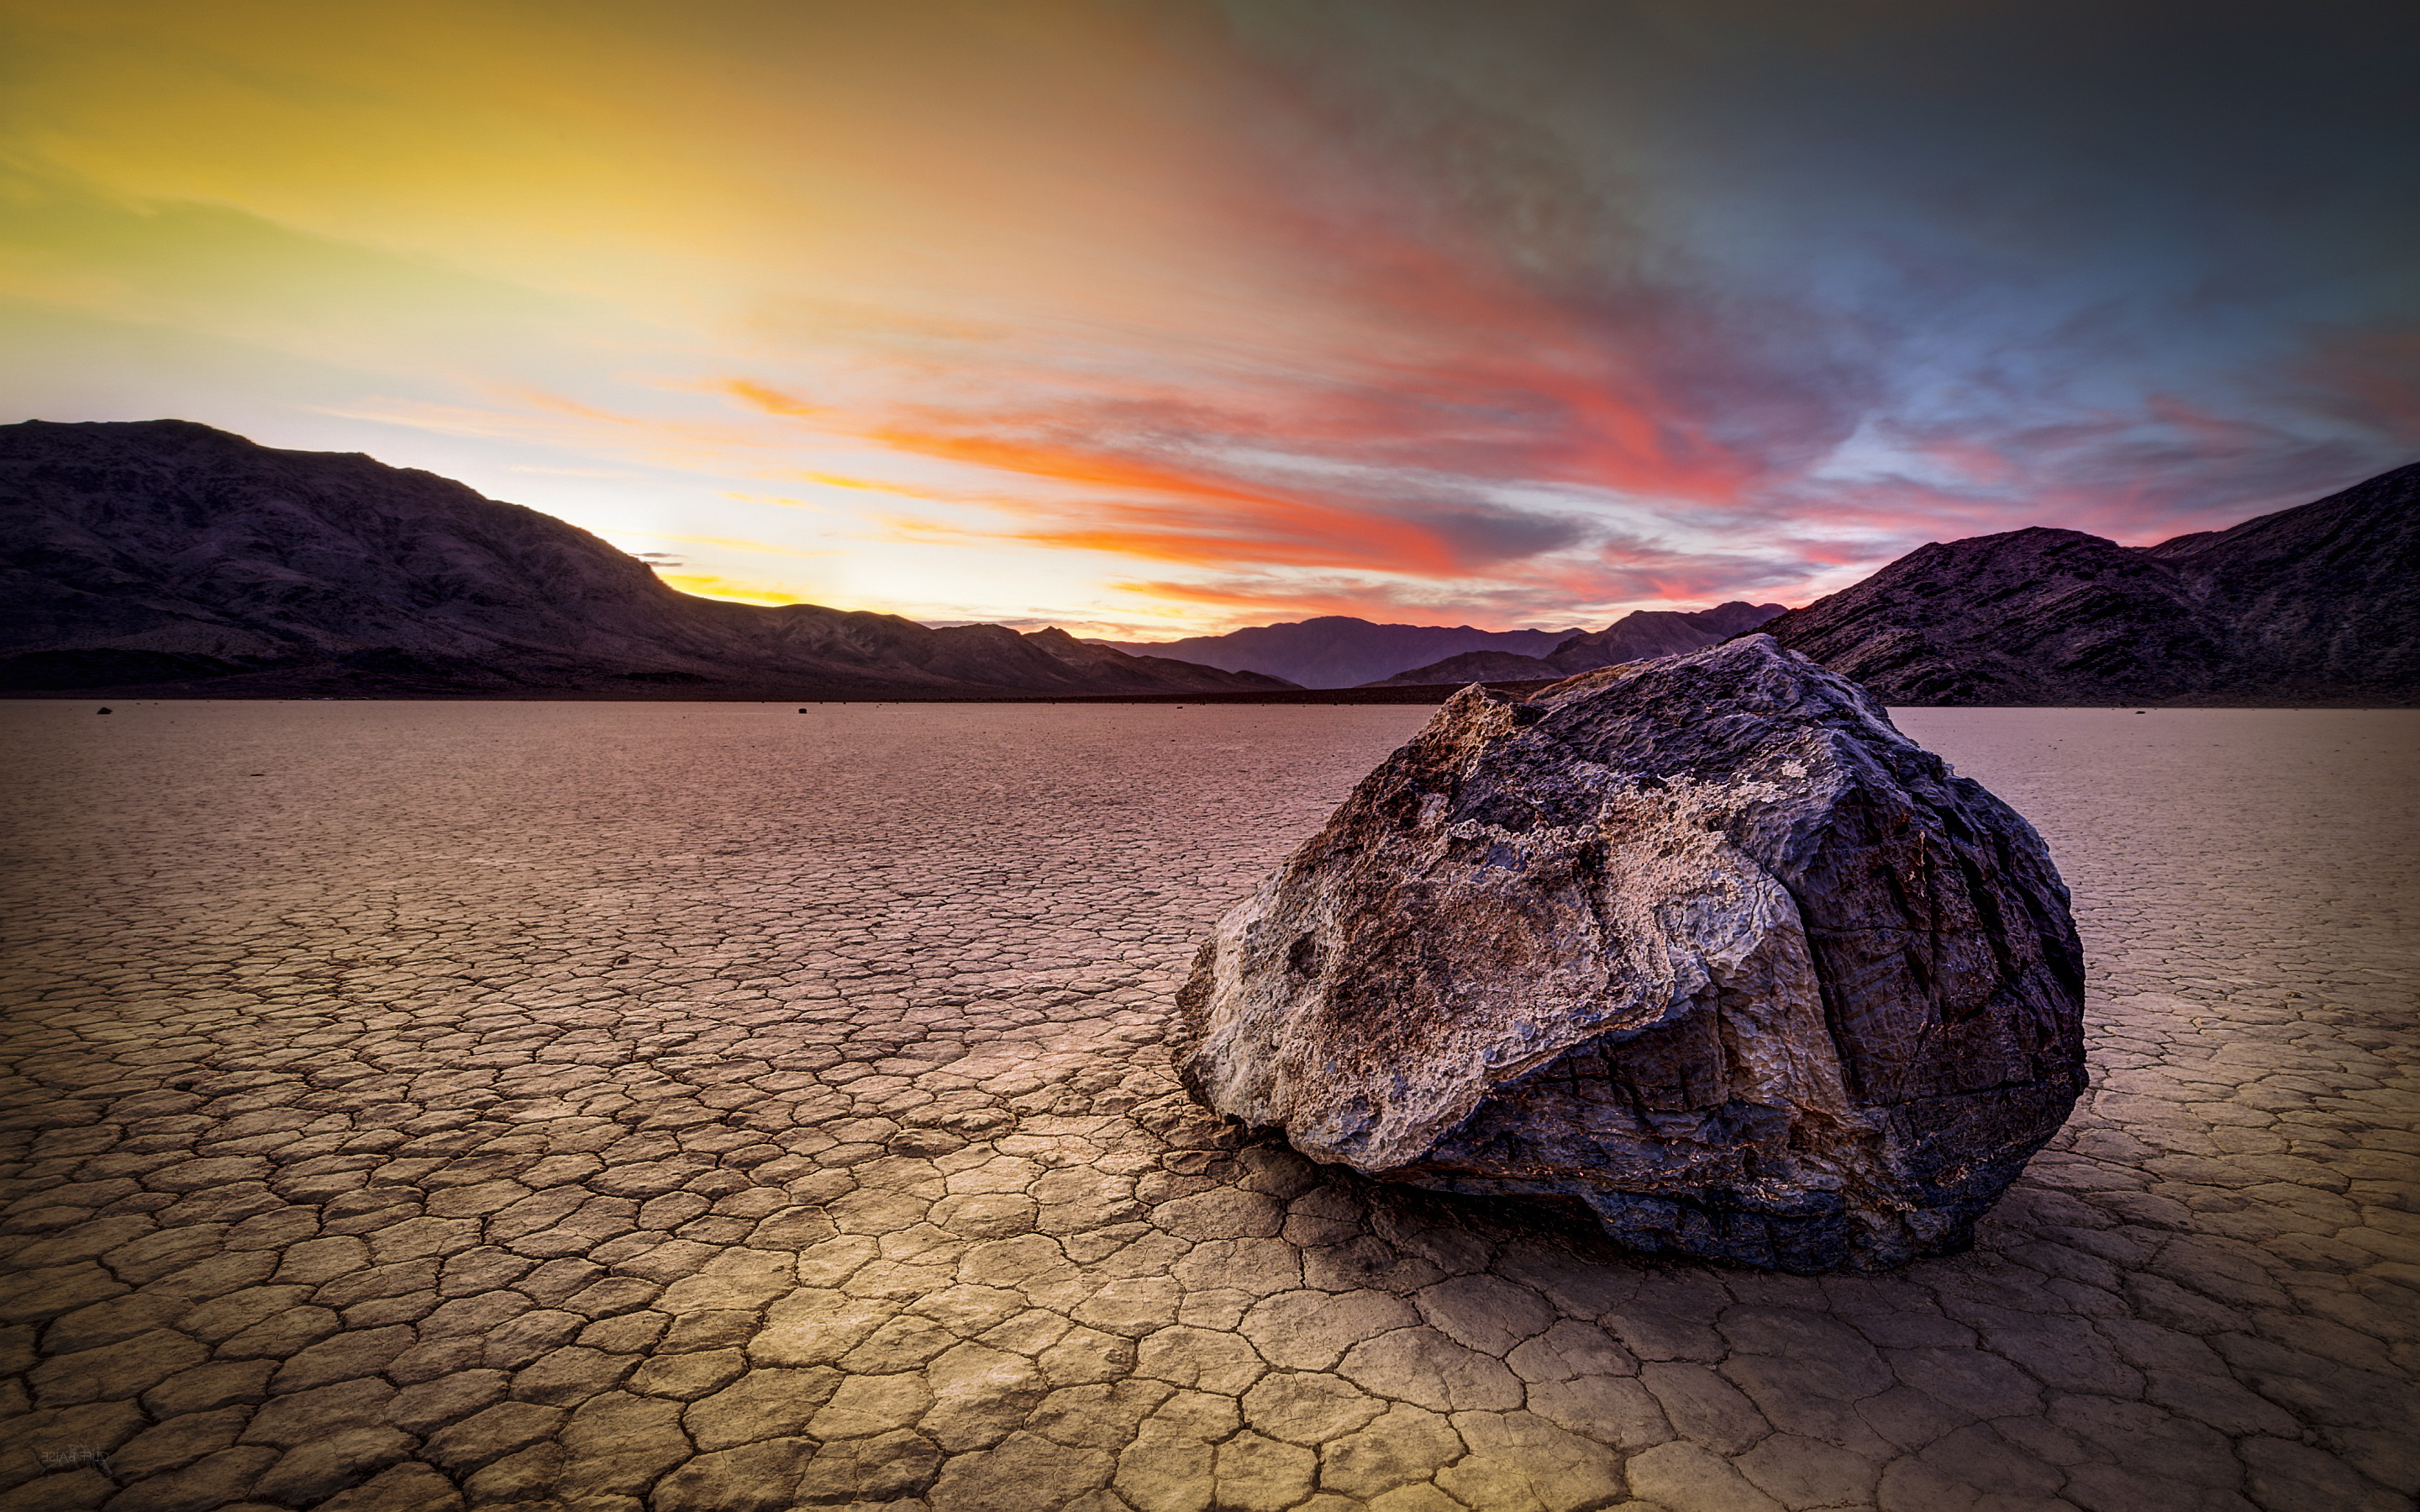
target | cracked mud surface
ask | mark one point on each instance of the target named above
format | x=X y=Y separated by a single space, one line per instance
x=616 y=1107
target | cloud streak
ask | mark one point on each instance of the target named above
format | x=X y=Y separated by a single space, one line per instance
x=1189 y=314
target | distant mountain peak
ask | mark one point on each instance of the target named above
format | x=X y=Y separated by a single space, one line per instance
x=1339 y=650
x=2317 y=603
x=1634 y=637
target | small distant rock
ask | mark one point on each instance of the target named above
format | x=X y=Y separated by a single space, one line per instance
x=1703 y=944
x=103 y=711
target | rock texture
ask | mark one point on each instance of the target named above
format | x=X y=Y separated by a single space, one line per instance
x=2317 y=604
x=1339 y=651
x=1704 y=943
x=162 y=553
x=1634 y=637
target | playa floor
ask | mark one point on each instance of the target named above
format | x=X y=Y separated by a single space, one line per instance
x=705 y=1108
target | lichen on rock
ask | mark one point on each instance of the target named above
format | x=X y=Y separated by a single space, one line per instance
x=1702 y=942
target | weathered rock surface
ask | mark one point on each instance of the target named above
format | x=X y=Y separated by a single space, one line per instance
x=166 y=556
x=2317 y=604
x=1702 y=942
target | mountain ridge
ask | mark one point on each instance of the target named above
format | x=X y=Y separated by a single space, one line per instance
x=168 y=558
x=1635 y=637
x=151 y=553
x=2318 y=603
x=1341 y=650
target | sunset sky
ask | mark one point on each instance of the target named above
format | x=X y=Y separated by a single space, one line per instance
x=1156 y=317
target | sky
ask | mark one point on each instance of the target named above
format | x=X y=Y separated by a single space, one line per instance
x=1151 y=317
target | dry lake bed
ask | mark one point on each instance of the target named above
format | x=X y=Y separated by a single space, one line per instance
x=707 y=1108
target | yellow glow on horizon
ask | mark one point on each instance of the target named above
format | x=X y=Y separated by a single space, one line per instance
x=705 y=585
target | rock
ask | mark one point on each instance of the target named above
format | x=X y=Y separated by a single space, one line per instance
x=1703 y=944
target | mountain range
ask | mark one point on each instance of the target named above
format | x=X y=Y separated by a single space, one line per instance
x=167 y=558
x=166 y=555
x=2317 y=604
x=1339 y=651
x=1634 y=637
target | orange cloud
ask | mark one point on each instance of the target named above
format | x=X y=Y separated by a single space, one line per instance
x=1255 y=602
x=1196 y=517
x=768 y=398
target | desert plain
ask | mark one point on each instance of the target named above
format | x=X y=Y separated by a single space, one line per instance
x=718 y=1108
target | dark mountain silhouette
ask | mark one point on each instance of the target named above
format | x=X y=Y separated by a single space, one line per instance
x=169 y=556
x=1338 y=651
x=2315 y=604
x=1634 y=637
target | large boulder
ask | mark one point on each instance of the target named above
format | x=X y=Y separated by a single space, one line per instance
x=1704 y=943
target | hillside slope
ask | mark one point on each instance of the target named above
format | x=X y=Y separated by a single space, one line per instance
x=161 y=552
x=2315 y=604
